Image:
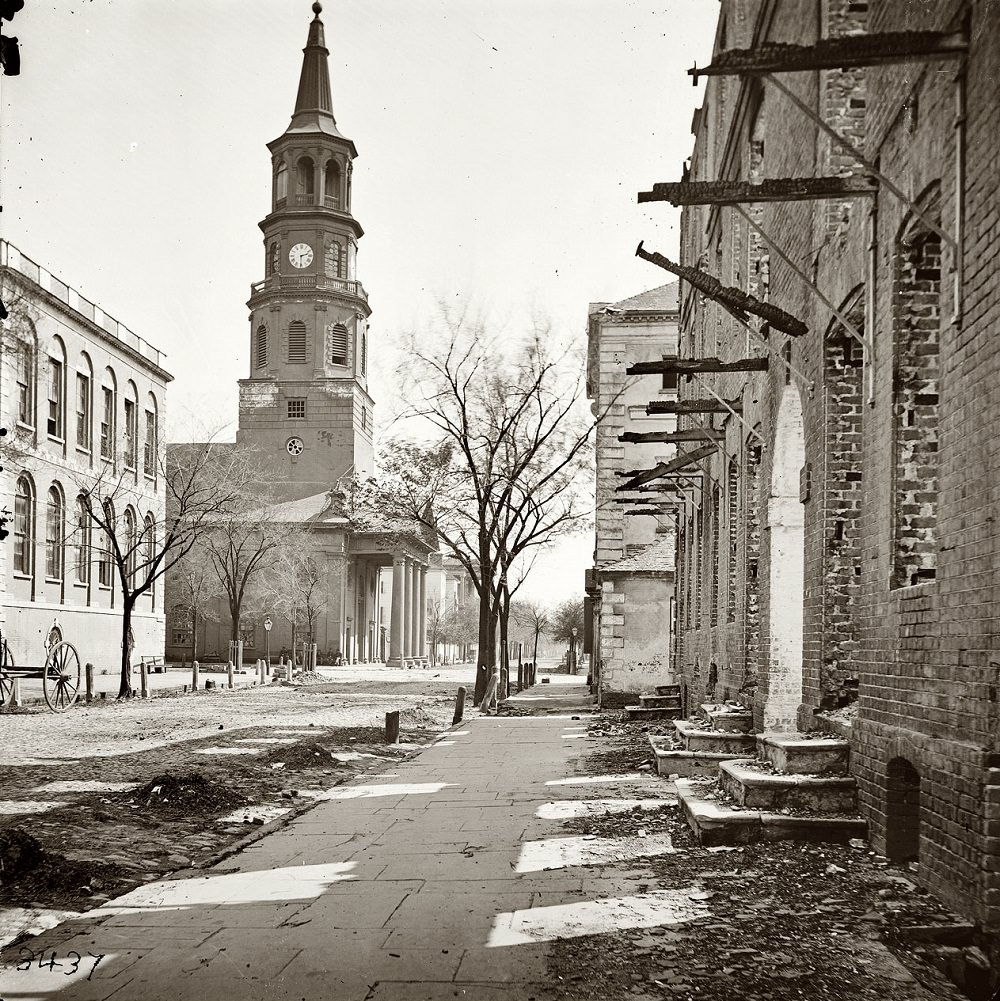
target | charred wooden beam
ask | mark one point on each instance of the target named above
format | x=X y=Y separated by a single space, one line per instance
x=738 y=302
x=694 y=407
x=836 y=53
x=777 y=189
x=686 y=365
x=666 y=468
x=672 y=437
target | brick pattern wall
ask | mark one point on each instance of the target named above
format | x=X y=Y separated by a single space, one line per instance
x=924 y=656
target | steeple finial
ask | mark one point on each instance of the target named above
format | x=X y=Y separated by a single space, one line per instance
x=314 y=81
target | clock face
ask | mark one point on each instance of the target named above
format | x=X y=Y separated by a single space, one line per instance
x=301 y=255
x=294 y=446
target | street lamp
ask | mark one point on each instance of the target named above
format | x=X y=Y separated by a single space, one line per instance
x=573 y=650
x=267 y=638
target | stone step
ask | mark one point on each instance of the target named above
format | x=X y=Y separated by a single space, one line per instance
x=660 y=701
x=748 y=787
x=697 y=738
x=796 y=753
x=668 y=689
x=671 y=760
x=636 y=713
x=714 y=823
x=731 y=721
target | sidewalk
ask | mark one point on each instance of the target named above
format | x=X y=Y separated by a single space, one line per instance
x=413 y=885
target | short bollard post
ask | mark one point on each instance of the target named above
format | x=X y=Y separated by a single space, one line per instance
x=260 y=672
x=459 y=706
x=15 y=699
x=143 y=679
x=392 y=727
x=504 y=690
x=89 y=671
x=229 y=673
x=194 y=675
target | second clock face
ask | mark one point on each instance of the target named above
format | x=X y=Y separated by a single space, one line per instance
x=301 y=255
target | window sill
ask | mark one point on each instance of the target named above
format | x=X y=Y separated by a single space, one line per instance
x=56 y=439
x=23 y=576
x=25 y=427
x=81 y=583
x=53 y=580
x=83 y=449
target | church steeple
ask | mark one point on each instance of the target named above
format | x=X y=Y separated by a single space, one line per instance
x=309 y=314
x=314 y=81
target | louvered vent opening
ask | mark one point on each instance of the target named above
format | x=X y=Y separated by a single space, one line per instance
x=338 y=344
x=297 y=342
x=261 y=347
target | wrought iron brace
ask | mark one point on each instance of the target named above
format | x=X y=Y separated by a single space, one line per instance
x=753 y=431
x=860 y=157
x=810 y=284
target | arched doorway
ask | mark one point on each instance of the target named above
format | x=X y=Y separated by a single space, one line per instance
x=902 y=812
x=786 y=533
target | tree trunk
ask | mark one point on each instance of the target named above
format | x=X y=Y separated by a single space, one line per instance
x=194 y=634
x=534 y=655
x=128 y=640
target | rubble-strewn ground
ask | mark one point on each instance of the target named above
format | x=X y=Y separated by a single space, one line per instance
x=104 y=797
x=788 y=922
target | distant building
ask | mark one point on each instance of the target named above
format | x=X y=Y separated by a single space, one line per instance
x=630 y=590
x=82 y=397
x=305 y=403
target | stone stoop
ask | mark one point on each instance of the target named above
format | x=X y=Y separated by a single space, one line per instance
x=698 y=749
x=663 y=705
x=797 y=789
x=668 y=690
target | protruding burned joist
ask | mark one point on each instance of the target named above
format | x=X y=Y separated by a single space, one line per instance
x=666 y=468
x=694 y=407
x=684 y=366
x=672 y=437
x=836 y=53
x=738 y=302
x=776 y=189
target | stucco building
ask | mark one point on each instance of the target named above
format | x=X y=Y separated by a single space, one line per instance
x=632 y=581
x=839 y=568
x=83 y=399
x=305 y=405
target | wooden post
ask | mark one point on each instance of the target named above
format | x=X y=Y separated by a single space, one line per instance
x=89 y=671
x=15 y=699
x=504 y=691
x=392 y=727
x=144 y=679
x=194 y=675
x=229 y=672
x=459 y=706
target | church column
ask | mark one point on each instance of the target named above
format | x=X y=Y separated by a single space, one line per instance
x=396 y=619
x=408 y=609
x=422 y=613
x=414 y=611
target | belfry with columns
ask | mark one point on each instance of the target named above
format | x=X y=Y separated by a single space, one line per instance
x=305 y=405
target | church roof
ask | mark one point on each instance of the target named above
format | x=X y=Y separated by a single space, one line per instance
x=313 y=102
x=655 y=559
x=664 y=299
x=318 y=509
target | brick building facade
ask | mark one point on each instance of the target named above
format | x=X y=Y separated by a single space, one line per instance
x=839 y=568
x=633 y=576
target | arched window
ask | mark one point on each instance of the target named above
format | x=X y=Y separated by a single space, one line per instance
x=261 y=355
x=296 y=343
x=24 y=526
x=332 y=261
x=54 y=534
x=331 y=184
x=84 y=402
x=131 y=546
x=281 y=183
x=150 y=449
x=55 y=424
x=272 y=258
x=109 y=404
x=305 y=178
x=82 y=540
x=26 y=379
x=336 y=337
x=149 y=550
x=131 y=425
x=104 y=567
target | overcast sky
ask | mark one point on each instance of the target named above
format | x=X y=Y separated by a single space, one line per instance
x=501 y=145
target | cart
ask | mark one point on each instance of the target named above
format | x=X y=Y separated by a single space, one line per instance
x=60 y=672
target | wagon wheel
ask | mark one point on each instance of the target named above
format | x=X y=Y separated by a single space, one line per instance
x=61 y=677
x=6 y=681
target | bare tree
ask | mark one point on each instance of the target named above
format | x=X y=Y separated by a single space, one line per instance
x=194 y=585
x=510 y=438
x=296 y=585
x=567 y=624
x=201 y=490
x=534 y=616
